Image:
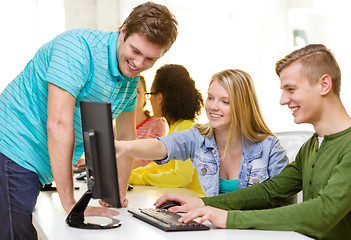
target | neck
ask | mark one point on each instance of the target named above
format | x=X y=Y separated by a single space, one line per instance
x=334 y=119
x=221 y=139
x=170 y=121
x=140 y=117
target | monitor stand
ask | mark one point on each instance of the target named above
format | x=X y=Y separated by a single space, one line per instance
x=76 y=217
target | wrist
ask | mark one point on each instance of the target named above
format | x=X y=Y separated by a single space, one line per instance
x=203 y=201
x=68 y=205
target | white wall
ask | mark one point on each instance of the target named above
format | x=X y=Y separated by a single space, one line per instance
x=213 y=35
x=25 y=26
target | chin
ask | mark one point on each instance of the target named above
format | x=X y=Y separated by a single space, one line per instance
x=129 y=74
x=215 y=126
x=297 y=121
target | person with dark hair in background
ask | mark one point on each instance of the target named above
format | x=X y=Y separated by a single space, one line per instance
x=40 y=130
x=173 y=96
x=234 y=150
x=147 y=126
x=310 y=81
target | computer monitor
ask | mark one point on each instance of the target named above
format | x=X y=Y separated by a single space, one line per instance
x=100 y=160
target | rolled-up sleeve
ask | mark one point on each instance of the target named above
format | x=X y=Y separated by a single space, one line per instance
x=180 y=146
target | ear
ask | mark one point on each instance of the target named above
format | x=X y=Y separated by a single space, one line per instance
x=326 y=84
x=123 y=31
x=159 y=98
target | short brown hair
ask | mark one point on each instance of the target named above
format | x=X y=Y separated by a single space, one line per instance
x=316 y=60
x=153 y=21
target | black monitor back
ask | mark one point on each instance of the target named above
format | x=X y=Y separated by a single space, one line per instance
x=101 y=165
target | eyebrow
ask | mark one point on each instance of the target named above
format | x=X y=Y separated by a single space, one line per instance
x=226 y=97
x=288 y=85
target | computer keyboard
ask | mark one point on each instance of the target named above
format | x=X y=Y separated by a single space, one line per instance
x=165 y=220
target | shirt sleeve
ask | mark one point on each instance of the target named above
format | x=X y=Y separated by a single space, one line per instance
x=180 y=146
x=132 y=103
x=137 y=175
x=311 y=217
x=154 y=175
x=69 y=65
x=173 y=174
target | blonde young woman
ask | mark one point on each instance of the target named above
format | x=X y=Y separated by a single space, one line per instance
x=234 y=150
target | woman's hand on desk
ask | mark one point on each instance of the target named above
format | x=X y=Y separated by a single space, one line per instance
x=187 y=202
x=216 y=216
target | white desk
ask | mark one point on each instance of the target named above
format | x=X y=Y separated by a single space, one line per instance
x=49 y=220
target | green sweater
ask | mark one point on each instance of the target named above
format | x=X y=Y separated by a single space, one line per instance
x=323 y=174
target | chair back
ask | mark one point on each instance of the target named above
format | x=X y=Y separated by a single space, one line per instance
x=292 y=141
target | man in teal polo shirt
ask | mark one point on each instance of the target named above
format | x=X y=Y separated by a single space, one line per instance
x=310 y=82
x=40 y=126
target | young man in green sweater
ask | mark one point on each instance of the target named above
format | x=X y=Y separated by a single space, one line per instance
x=310 y=83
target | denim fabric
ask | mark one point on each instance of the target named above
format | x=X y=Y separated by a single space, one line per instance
x=19 y=189
x=259 y=162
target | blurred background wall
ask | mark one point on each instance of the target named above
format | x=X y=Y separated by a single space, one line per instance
x=213 y=35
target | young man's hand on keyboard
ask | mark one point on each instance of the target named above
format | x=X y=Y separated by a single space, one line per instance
x=187 y=202
x=216 y=216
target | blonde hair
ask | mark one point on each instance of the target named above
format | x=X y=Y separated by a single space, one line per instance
x=245 y=111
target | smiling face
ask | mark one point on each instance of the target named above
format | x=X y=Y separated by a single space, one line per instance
x=136 y=54
x=217 y=107
x=301 y=96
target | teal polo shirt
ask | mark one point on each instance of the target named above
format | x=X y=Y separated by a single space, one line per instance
x=81 y=61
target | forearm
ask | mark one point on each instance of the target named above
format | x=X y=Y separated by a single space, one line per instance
x=264 y=195
x=125 y=125
x=148 y=149
x=60 y=130
x=124 y=168
x=252 y=197
x=60 y=145
x=309 y=217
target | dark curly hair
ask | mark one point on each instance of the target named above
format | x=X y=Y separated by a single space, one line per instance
x=181 y=99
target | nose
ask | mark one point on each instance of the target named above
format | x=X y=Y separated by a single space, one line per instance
x=138 y=61
x=143 y=63
x=284 y=99
x=213 y=105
